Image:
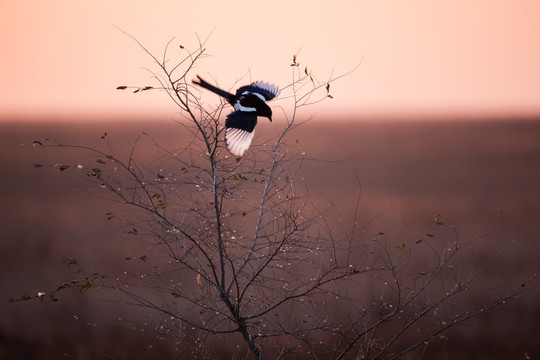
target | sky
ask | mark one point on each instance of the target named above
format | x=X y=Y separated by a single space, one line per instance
x=417 y=59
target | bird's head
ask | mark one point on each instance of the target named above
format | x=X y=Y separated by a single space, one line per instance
x=265 y=111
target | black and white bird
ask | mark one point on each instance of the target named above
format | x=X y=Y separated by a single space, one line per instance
x=248 y=102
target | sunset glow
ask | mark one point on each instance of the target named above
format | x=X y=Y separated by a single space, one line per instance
x=417 y=59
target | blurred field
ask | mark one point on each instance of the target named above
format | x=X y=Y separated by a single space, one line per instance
x=482 y=176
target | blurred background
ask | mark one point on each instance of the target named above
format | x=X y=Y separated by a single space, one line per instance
x=418 y=59
x=442 y=115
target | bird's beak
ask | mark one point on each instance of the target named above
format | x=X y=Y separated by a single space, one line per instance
x=270 y=118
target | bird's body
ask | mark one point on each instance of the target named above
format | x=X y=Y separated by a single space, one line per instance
x=248 y=102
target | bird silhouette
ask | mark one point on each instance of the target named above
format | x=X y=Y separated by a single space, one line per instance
x=249 y=102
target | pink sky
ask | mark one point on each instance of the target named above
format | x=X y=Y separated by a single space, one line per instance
x=420 y=58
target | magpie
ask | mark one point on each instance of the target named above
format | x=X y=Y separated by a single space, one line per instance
x=248 y=102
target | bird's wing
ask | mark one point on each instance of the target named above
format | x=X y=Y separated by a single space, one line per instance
x=243 y=120
x=240 y=126
x=268 y=91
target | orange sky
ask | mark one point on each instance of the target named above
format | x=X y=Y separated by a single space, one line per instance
x=420 y=58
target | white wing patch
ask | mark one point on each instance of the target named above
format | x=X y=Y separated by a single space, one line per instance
x=268 y=87
x=238 y=106
x=256 y=94
x=238 y=140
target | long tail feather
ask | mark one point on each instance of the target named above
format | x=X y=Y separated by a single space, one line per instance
x=212 y=88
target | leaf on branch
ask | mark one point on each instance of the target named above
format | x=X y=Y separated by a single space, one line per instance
x=63 y=167
x=104 y=136
x=181 y=46
x=36 y=142
x=37 y=165
x=109 y=215
x=401 y=247
x=147 y=88
x=143 y=258
x=294 y=63
x=161 y=204
x=328 y=91
x=85 y=285
x=63 y=286
x=100 y=161
x=199 y=282
x=136 y=91
x=160 y=176
x=419 y=241
x=96 y=173
x=26 y=296
x=70 y=261
x=122 y=87
x=175 y=294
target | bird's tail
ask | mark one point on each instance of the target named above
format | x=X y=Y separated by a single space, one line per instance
x=212 y=88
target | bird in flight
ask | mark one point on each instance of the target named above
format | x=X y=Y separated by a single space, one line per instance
x=248 y=102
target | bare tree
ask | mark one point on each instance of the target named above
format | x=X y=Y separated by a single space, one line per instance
x=239 y=250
